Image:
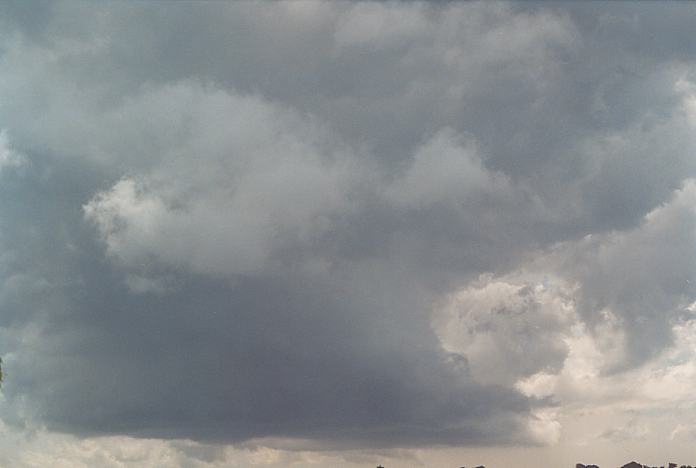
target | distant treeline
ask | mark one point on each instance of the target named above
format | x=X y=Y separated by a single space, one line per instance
x=635 y=464
x=632 y=464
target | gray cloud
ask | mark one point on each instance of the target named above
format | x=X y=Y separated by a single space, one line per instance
x=643 y=277
x=232 y=221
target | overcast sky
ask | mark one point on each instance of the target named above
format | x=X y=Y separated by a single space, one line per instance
x=343 y=234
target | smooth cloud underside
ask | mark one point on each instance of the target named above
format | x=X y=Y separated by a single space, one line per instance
x=357 y=225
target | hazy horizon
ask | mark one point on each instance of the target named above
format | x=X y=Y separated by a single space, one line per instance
x=343 y=234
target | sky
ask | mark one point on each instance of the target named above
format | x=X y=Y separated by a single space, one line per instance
x=342 y=234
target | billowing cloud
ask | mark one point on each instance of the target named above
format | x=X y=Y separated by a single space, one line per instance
x=351 y=225
x=8 y=157
x=508 y=329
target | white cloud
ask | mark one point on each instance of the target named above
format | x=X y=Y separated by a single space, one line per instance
x=545 y=427
x=447 y=169
x=688 y=91
x=239 y=181
x=8 y=156
x=380 y=24
x=508 y=328
x=229 y=198
x=128 y=218
x=534 y=329
x=40 y=448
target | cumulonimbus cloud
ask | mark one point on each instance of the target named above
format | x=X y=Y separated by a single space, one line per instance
x=302 y=225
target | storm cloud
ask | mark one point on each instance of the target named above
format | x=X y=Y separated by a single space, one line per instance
x=354 y=224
